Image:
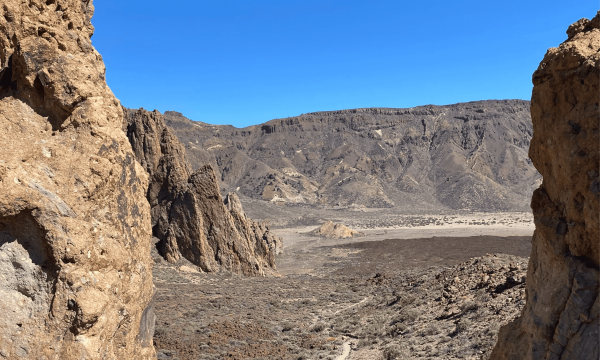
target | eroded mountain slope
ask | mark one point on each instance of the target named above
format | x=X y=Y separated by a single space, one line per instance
x=464 y=156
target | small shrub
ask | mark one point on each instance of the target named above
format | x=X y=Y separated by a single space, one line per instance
x=431 y=329
x=468 y=306
x=288 y=326
x=463 y=325
x=318 y=327
x=363 y=342
x=493 y=328
x=395 y=352
x=410 y=314
x=398 y=328
x=481 y=296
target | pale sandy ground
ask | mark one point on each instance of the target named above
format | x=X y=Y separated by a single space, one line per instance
x=299 y=247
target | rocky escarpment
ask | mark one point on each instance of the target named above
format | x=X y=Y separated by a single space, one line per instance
x=335 y=231
x=189 y=216
x=256 y=231
x=75 y=265
x=429 y=158
x=560 y=319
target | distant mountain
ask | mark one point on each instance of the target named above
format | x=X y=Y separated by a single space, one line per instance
x=467 y=156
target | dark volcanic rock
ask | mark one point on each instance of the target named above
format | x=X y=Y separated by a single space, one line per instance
x=189 y=216
x=561 y=317
x=465 y=156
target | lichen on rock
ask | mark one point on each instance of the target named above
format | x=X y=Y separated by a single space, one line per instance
x=561 y=317
x=74 y=222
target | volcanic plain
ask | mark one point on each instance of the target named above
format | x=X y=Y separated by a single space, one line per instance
x=429 y=287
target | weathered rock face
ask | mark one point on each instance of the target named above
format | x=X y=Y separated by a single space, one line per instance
x=257 y=231
x=189 y=216
x=335 y=231
x=75 y=266
x=560 y=319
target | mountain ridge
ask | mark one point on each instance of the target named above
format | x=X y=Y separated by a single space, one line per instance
x=465 y=156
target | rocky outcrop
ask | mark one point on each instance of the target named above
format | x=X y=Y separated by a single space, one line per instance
x=335 y=231
x=257 y=231
x=75 y=266
x=189 y=216
x=560 y=319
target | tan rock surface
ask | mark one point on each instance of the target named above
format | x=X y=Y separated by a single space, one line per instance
x=560 y=319
x=189 y=216
x=335 y=231
x=75 y=267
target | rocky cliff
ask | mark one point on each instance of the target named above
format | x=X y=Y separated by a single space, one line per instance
x=430 y=158
x=75 y=265
x=560 y=319
x=189 y=216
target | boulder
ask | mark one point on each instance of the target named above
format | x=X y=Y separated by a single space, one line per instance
x=75 y=266
x=335 y=231
x=189 y=216
x=560 y=319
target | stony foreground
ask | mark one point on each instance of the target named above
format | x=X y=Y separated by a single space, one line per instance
x=417 y=312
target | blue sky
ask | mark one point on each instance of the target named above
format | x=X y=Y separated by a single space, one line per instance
x=247 y=62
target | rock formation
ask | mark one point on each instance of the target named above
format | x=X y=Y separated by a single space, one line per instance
x=428 y=158
x=257 y=231
x=560 y=319
x=75 y=266
x=335 y=231
x=189 y=216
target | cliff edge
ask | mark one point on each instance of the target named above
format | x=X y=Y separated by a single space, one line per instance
x=74 y=221
x=189 y=216
x=560 y=319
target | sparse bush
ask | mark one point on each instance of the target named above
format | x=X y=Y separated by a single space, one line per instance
x=468 y=306
x=287 y=326
x=363 y=343
x=395 y=352
x=410 y=314
x=493 y=328
x=398 y=328
x=159 y=331
x=463 y=324
x=318 y=327
x=406 y=299
x=481 y=296
x=432 y=329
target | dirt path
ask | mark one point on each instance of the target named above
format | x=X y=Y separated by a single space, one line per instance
x=345 y=351
x=351 y=306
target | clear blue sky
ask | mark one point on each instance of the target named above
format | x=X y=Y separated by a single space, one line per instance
x=249 y=61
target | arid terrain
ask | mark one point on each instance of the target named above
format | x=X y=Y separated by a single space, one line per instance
x=413 y=291
x=466 y=156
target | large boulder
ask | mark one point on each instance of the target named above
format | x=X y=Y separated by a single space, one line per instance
x=75 y=266
x=335 y=231
x=189 y=216
x=560 y=319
